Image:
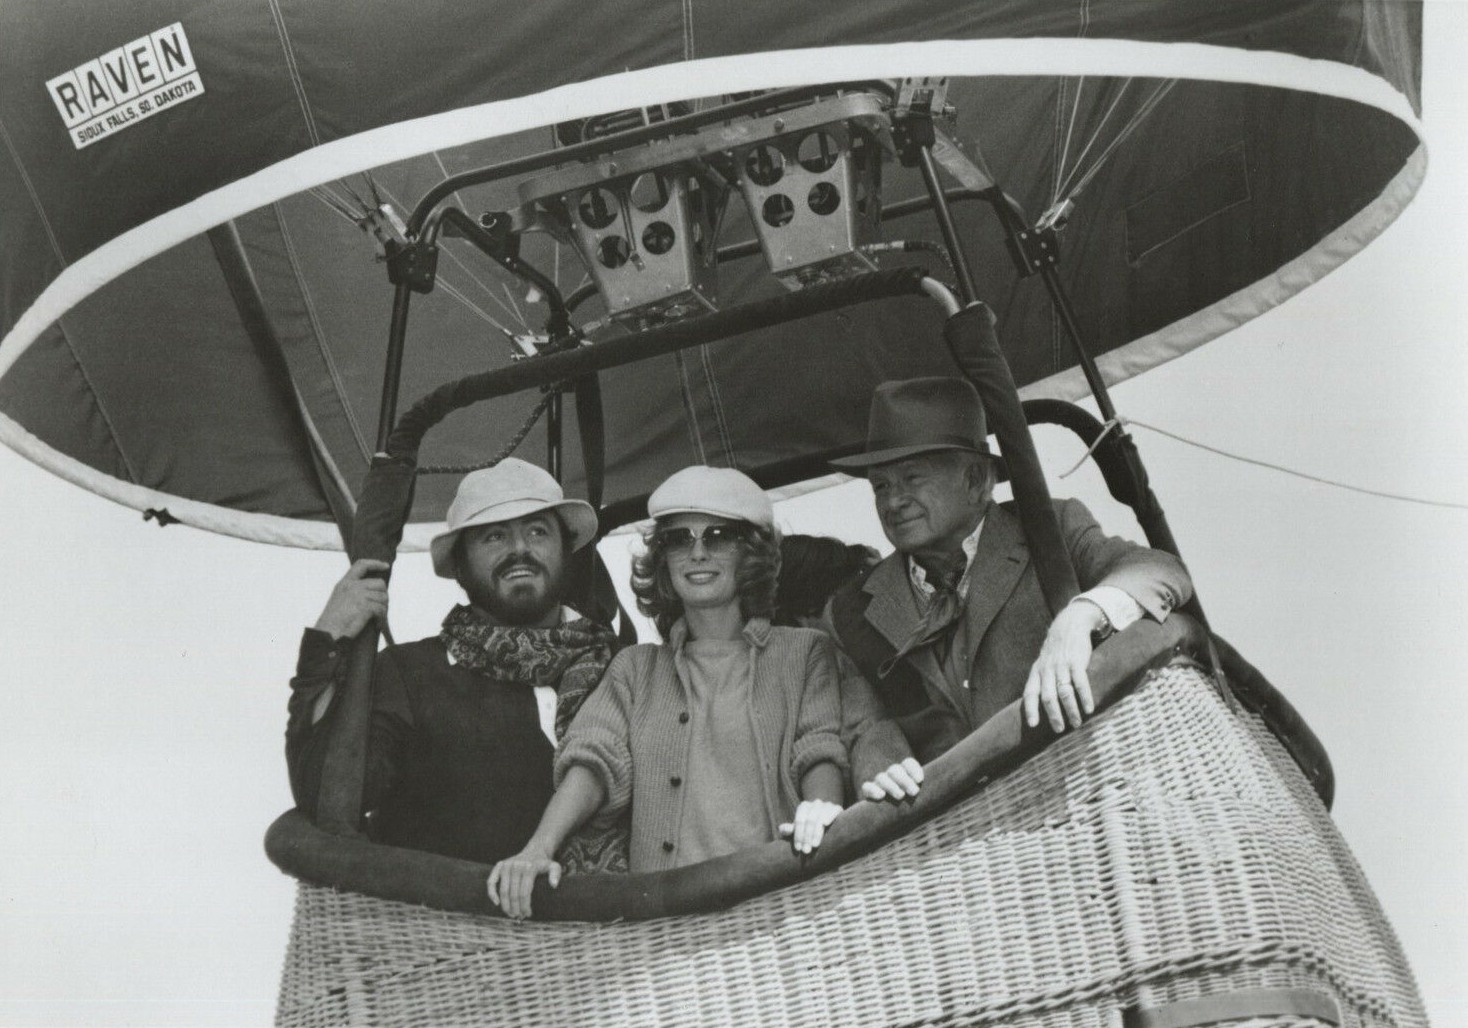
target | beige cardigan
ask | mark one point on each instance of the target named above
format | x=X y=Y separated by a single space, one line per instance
x=632 y=731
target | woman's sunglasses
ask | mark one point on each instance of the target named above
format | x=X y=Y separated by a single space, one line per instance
x=718 y=540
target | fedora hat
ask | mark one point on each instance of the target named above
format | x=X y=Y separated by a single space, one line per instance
x=511 y=489
x=921 y=415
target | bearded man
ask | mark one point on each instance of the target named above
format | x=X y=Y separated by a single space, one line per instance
x=464 y=724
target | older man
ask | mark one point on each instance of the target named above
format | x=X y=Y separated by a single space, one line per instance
x=464 y=724
x=952 y=627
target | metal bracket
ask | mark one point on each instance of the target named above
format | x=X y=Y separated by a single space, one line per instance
x=929 y=93
x=1033 y=250
x=412 y=264
x=499 y=226
x=913 y=134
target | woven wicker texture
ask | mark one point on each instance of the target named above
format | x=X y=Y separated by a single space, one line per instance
x=1168 y=850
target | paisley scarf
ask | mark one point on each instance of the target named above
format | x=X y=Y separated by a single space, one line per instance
x=569 y=658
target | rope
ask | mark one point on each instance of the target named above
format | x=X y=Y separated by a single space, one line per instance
x=690 y=413
x=361 y=201
x=515 y=304
x=1106 y=117
x=1113 y=423
x=30 y=188
x=444 y=171
x=1069 y=131
x=1120 y=421
x=364 y=207
x=515 y=440
x=716 y=401
x=288 y=51
x=1142 y=112
x=463 y=298
x=335 y=202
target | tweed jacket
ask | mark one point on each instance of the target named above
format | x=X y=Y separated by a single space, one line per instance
x=1006 y=621
x=633 y=730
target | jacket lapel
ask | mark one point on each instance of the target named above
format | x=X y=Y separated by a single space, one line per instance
x=889 y=610
x=1001 y=559
x=893 y=612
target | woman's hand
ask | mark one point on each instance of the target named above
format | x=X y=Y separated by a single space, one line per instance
x=512 y=879
x=812 y=818
x=899 y=782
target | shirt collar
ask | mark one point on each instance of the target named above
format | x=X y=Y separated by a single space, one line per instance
x=970 y=545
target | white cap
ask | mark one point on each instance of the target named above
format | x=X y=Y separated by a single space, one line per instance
x=721 y=491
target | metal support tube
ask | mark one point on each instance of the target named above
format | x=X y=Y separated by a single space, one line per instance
x=1061 y=301
x=966 y=291
x=553 y=436
x=942 y=296
x=679 y=335
x=558 y=324
x=392 y=371
x=343 y=774
x=344 y=771
x=975 y=348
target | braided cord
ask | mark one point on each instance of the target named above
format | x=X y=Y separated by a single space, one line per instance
x=551 y=392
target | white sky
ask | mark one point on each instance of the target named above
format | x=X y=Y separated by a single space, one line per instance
x=146 y=669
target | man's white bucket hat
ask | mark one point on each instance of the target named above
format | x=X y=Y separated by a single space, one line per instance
x=511 y=489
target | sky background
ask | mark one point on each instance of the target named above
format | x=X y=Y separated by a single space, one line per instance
x=145 y=669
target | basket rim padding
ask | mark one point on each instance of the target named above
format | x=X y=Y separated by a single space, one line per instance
x=311 y=854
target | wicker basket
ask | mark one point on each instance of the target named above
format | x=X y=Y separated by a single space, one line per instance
x=1167 y=851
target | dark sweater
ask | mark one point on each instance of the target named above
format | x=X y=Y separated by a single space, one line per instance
x=457 y=761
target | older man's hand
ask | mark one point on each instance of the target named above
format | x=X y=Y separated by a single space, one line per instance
x=899 y=782
x=1058 y=678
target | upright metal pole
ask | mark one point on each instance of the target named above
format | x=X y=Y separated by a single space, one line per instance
x=1061 y=301
x=1144 y=503
x=967 y=293
x=392 y=373
x=344 y=766
x=553 y=436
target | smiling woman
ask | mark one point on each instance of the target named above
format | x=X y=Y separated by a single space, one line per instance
x=709 y=526
x=701 y=558
x=730 y=729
